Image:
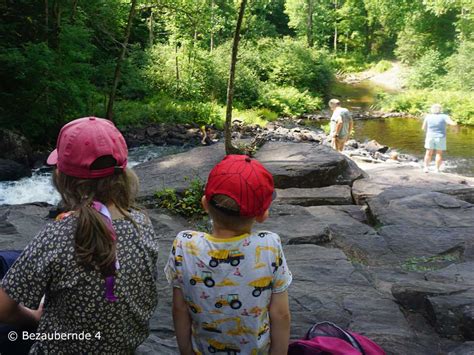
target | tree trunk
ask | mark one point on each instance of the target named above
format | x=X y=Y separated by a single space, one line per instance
x=229 y=148
x=74 y=9
x=176 y=64
x=335 y=26
x=118 y=67
x=151 y=25
x=309 y=29
x=46 y=20
x=212 y=26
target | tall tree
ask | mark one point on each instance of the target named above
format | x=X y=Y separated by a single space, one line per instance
x=113 y=91
x=229 y=148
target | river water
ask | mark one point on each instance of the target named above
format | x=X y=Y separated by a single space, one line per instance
x=405 y=134
x=39 y=187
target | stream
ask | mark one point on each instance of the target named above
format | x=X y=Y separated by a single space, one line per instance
x=404 y=134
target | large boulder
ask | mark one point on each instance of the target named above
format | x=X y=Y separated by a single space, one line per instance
x=318 y=196
x=11 y=170
x=20 y=223
x=175 y=171
x=14 y=147
x=307 y=165
x=387 y=176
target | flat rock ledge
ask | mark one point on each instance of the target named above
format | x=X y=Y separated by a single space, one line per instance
x=388 y=253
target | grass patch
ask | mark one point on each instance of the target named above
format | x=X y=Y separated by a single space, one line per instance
x=382 y=66
x=424 y=263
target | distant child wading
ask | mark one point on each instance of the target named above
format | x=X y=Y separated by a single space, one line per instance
x=230 y=287
x=95 y=265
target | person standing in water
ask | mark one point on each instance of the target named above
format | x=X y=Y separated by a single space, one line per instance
x=434 y=125
x=341 y=125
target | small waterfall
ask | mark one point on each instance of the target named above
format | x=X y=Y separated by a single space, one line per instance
x=39 y=187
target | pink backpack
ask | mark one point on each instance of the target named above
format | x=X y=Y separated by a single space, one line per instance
x=327 y=338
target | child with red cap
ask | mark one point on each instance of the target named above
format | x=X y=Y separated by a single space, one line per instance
x=95 y=266
x=243 y=274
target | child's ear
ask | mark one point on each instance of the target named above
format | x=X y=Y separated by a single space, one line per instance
x=205 y=204
x=263 y=217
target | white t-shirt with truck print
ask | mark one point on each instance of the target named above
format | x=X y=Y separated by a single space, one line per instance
x=227 y=284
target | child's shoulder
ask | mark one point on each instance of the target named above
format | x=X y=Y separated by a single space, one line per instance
x=266 y=237
x=189 y=235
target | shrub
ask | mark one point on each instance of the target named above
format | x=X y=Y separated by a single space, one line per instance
x=460 y=105
x=426 y=71
x=162 y=108
x=461 y=68
x=289 y=101
x=188 y=204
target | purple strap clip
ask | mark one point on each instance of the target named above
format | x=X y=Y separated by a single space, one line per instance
x=109 y=280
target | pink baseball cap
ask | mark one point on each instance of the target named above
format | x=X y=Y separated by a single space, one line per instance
x=81 y=142
x=246 y=181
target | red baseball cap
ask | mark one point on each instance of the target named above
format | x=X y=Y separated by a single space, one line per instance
x=81 y=142
x=245 y=180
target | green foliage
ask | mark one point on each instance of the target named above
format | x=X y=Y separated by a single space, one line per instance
x=162 y=108
x=289 y=101
x=458 y=104
x=426 y=71
x=187 y=204
x=461 y=68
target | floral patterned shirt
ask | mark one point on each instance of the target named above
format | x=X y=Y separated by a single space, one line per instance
x=74 y=296
x=227 y=284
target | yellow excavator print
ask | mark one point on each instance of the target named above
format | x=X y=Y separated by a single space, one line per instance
x=231 y=257
x=261 y=284
x=178 y=260
x=195 y=308
x=218 y=347
x=206 y=279
x=276 y=264
x=232 y=300
x=238 y=330
x=263 y=329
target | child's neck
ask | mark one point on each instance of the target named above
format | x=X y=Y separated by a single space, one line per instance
x=223 y=233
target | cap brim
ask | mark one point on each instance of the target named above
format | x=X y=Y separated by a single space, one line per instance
x=53 y=158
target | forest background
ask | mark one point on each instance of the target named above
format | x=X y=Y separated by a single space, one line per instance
x=141 y=61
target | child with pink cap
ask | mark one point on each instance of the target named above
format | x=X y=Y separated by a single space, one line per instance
x=95 y=265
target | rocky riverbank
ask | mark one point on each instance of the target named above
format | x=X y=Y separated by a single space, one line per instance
x=387 y=252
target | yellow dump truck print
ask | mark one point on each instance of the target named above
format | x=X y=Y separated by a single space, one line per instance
x=231 y=257
x=261 y=284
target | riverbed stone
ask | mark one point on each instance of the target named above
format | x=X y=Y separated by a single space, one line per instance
x=20 y=223
x=326 y=287
x=461 y=273
x=330 y=195
x=385 y=176
x=307 y=165
x=11 y=170
x=374 y=146
x=466 y=348
x=14 y=146
x=452 y=315
x=177 y=170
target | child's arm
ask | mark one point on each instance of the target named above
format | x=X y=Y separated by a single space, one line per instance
x=182 y=322
x=279 y=323
x=16 y=314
